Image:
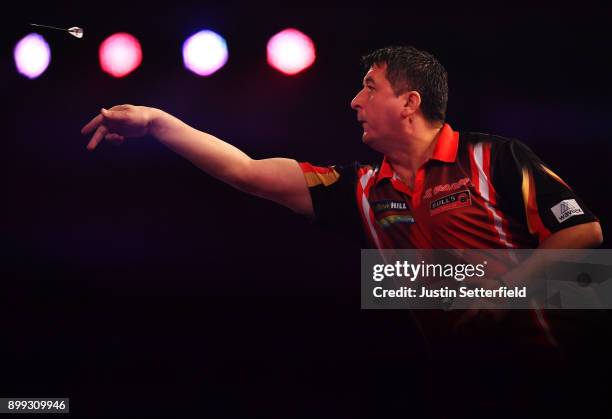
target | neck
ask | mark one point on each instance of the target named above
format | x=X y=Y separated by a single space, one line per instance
x=414 y=150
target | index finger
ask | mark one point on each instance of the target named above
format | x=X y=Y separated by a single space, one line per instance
x=91 y=125
x=97 y=137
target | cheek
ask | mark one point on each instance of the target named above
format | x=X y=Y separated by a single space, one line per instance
x=391 y=117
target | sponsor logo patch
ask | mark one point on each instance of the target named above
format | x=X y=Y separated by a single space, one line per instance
x=449 y=202
x=445 y=187
x=393 y=219
x=392 y=212
x=566 y=209
x=388 y=205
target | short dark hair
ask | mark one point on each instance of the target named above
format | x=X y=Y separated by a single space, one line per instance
x=411 y=69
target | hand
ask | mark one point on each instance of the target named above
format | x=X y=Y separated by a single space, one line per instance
x=481 y=316
x=484 y=311
x=117 y=124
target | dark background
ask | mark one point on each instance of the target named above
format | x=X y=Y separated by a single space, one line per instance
x=132 y=281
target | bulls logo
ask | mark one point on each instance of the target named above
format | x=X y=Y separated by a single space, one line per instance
x=452 y=201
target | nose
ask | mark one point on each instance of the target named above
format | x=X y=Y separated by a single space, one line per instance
x=356 y=102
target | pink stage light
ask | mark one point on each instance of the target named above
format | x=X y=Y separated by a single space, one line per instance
x=32 y=55
x=120 y=54
x=204 y=53
x=290 y=51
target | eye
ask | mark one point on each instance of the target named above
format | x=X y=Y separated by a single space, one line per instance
x=370 y=88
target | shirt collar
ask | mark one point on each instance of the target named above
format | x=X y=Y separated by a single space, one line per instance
x=445 y=151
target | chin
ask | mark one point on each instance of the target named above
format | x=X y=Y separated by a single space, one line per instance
x=367 y=139
x=372 y=143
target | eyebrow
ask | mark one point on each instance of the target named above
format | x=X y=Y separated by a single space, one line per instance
x=368 y=79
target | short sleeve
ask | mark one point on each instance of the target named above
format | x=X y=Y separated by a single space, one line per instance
x=534 y=193
x=333 y=193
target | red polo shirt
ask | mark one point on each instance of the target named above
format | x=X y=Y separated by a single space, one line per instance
x=476 y=191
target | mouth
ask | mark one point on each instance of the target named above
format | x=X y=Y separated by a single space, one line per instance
x=364 y=126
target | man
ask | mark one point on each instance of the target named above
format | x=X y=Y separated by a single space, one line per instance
x=435 y=187
x=402 y=108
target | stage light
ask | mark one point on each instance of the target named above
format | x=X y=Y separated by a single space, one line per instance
x=32 y=55
x=120 y=54
x=290 y=51
x=204 y=53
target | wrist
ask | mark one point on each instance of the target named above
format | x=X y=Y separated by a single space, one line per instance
x=154 y=121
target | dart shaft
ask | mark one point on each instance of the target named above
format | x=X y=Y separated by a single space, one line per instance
x=47 y=26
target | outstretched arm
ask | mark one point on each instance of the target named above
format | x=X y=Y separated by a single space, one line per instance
x=277 y=179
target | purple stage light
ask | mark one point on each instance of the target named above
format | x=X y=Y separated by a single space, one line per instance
x=205 y=52
x=32 y=55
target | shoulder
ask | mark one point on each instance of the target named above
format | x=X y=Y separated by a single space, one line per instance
x=495 y=141
x=497 y=147
x=333 y=174
x=356 y=168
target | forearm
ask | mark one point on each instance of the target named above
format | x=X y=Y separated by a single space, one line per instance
x=278 y=179
x=214 y=156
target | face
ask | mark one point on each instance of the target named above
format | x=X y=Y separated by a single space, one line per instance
x=378 y=109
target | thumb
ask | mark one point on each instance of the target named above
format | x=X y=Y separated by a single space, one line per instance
x=107 y=114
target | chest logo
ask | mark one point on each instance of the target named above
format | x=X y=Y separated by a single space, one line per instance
x=448 y=202
x=394 y=219
x=389 y=212
x=389 y=205
x=445 y=187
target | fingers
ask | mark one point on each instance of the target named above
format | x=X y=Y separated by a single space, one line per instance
x=97 y=137
x=116 y=120
x=91 y=125
x=103 y=134
x=109 y=114
x=114 y=138
x=95 y=122
x=103 y=123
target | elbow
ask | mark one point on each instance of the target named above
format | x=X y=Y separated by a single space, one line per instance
x=241 y=177
x=581 y=236
x=590 y=235
x=596 y=235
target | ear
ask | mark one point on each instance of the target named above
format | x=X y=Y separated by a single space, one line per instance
x=411 y=102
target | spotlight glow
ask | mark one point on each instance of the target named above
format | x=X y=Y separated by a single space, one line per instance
x=120 y=54
x=204 y=53
x=290 y=51
x=32 y=55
